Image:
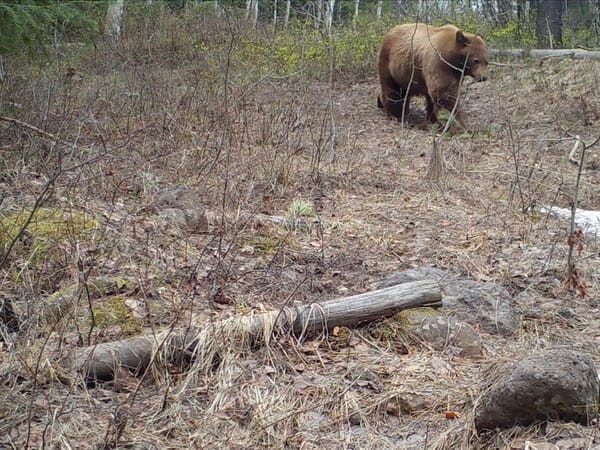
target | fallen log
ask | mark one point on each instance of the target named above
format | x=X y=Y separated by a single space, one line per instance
x=102 y=361
x=575 y=53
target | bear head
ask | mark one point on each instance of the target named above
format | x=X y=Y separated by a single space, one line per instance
x=473 y=55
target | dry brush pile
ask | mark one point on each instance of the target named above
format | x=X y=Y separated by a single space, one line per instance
x=168 y=181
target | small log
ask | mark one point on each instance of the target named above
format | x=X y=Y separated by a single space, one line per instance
x=102 y=361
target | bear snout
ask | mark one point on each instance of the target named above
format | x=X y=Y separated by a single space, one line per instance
x=481 y=77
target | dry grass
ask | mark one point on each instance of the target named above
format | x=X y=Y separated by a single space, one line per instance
x=143 y=119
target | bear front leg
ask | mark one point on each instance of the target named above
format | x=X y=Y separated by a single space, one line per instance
x=432 y=113
x=449 y=101
x=432 y=110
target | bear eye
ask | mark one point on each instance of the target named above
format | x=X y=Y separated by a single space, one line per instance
x=476 y=60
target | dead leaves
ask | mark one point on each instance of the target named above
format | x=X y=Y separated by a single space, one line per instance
x=573 y=281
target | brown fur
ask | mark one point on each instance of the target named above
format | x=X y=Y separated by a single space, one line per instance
x=430 y=60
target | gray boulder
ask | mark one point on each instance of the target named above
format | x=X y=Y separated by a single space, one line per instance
x=486 y=304
x=559 y=384
x=482 y=304
x=172 y=220
x=179 y=209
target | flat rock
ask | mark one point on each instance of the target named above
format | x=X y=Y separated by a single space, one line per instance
x=558 y=384
x=481 y=304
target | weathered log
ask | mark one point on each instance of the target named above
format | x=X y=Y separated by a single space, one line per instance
x=575 y=53
x=101 y=362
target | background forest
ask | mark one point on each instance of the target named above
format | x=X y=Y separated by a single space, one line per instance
x=541 y=23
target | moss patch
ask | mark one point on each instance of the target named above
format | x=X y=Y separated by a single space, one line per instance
x=45 y=229
x=68 y=298
x=113 y=311
x=414 y=315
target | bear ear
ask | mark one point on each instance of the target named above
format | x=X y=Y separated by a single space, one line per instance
x=461 y=38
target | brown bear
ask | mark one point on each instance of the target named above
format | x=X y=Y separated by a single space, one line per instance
x=419 y=59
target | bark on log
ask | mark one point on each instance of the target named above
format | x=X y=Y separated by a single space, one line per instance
x=101 y=362
x=575 y=53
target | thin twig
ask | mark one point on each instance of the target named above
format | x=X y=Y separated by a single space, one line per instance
x=37 y=130
x=571 y=240
x=574 y=151
x=571 y=271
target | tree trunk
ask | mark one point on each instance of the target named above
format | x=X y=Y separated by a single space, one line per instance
x=489 y=11
x=505 y=11
x=102 y=361
x=319 y=15
x=114 y=20
x=252 y=10
x=288 y=7
x=548 y=26
x=379 y=8
x=255 y=13
x=400 y=8
x=329 y=15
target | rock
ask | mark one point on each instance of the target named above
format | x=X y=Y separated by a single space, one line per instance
x=355 y=412
x=179 y=207
x=537 y=445
x=486 y=304
x=172 y=197
x=413 y=403
x=418 y=274
x=441 y=332
x=573 y=444
x=172 y=220
x=559 y=384
x=196 y=220
x=355 y=419
x=482 y=304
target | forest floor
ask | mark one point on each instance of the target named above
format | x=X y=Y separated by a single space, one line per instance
x=249 y=153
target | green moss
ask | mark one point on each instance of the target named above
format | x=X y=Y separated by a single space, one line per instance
x=414 y=315
x=47 y=227
x=264 y=245
x=113 y=311
x=122 y=283
x=68 y=297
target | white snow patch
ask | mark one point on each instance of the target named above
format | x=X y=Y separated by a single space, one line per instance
x=589 y=221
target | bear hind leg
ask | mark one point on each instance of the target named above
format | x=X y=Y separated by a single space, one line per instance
x=394 y=102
